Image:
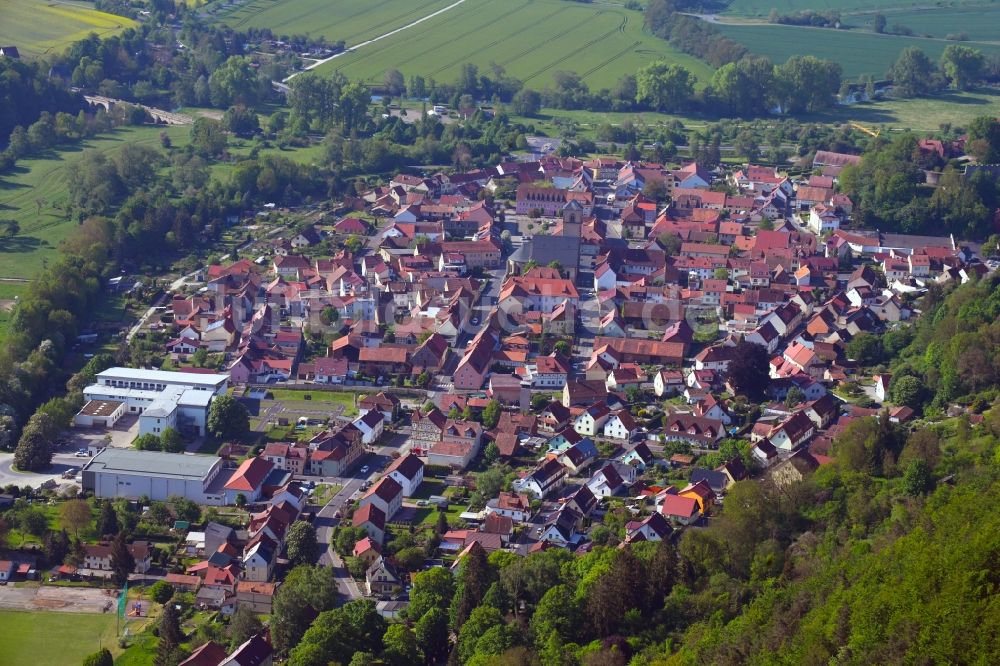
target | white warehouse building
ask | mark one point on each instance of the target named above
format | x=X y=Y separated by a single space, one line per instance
x=162 y=399
x=132 y=474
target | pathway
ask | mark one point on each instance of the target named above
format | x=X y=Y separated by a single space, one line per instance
x=351 y=49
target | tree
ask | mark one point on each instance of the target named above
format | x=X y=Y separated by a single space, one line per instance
x=526 y=102
x=491 y=414
x=474 y=579
x=984 y=140
x=244 y=625
x=749 y=371
x=167 y=652
x=795 y=397
x=558 y=612
x=878 y=23
x=865 y=348
x=208 y=137
x=305 y=592
x=401 y=646
x=74 y=515
x=55 y=545
x=745 y=87
x=147 y=442
x=664 y=87
x=33 y=520
x=479 y=621
x=393 y=82
x=161 y=591
x=302 y=545
x=171 y=442
x=122 y=562
x=228 y=418
x=907 y=390
x=913 y=74
x=431 y=632
x=746 y=144
x=184 y=509
x=432 y=589
x=807 y=83
x=107 y=522
x=917 y=479
x=34 y=449
x=491 y=453
x=962 y=65
x=100 y=658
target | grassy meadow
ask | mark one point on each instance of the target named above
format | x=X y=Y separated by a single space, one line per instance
x=36 y=194
x=530 y=39
x=858 y=52
x=38 y=27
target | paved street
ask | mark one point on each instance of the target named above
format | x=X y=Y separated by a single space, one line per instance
x=325 y=522
x=60 y=463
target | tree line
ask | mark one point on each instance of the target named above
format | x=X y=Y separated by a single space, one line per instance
x=888 y=190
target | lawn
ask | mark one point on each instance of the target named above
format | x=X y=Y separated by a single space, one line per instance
x=39 y=27
x=858 y=51
x=530 y=39
x=36 y=193
x=49 y=638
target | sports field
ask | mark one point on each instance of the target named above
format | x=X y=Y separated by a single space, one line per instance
x=37 y=27
x=50 y=638
x=858 y=52
x=530 y=39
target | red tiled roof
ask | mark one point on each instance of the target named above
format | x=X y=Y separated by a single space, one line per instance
x=250 y=475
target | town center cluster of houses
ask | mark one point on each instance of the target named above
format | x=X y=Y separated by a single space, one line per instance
x=752 y=255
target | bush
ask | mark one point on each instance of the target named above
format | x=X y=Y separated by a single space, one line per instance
x=161 y=592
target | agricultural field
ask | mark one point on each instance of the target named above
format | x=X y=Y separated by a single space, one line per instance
x=36 y=193
x=763 y=7
x=858 y=52
x=51 y=638
x=38 y=27
x=530 y=39
x=977 y=23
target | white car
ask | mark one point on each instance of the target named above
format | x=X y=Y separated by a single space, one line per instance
x=364 y=470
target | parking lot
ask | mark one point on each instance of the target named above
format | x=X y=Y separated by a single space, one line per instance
x=120 y=437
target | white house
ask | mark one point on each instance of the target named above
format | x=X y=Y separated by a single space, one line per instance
x=408 y=472
x=592 y=420
x=371 y=426
x=620 y=425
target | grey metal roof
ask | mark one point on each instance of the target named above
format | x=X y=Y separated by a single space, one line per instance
x=152 y=463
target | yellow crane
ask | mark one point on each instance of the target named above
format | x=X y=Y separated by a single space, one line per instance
x=867 y=130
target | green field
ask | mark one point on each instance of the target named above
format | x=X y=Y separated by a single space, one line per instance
x=763 y=7
x=979 y=23
x=44 y=179
x=858 y=52
x=38 y=27
x=530 y=39
x=49 y=638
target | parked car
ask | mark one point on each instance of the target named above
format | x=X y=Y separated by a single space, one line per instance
x=364 y=470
